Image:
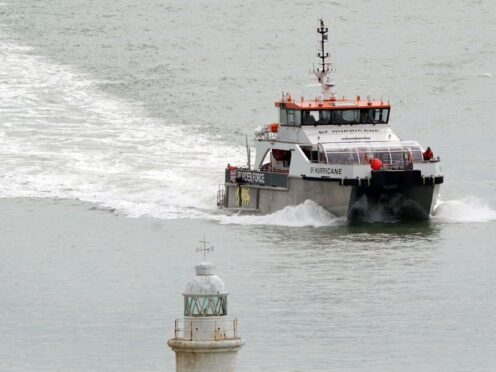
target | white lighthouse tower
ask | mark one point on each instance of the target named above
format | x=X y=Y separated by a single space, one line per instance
x=206 y=339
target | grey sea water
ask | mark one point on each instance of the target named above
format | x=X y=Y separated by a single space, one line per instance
x=116 y=121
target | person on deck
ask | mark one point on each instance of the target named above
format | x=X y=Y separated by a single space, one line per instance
x=428 y=154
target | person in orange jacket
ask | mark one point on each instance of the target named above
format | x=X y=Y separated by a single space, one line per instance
x=428 y=154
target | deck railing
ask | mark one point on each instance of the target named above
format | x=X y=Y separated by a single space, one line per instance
x=221 y=195
x=206 y=329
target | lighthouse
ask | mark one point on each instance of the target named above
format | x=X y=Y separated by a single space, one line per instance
x=206 y=338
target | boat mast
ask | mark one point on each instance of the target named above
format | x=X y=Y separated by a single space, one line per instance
x=324 y=67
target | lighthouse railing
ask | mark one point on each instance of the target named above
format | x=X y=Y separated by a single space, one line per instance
x=201 y=329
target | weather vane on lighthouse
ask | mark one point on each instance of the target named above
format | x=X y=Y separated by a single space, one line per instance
x=204 y=248
x=206 y=339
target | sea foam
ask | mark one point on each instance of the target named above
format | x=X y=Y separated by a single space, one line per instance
x=62 y=137
x=308 y=213
x=468 y=209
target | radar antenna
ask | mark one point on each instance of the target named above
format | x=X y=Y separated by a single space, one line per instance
x=324 y=67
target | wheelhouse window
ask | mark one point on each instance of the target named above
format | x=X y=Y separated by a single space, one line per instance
x=294 y=117
x=345 y=117
x=289 y=117
x=283 y=116
x=310 y=117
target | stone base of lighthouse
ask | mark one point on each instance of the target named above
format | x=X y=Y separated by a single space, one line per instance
x=206 y=356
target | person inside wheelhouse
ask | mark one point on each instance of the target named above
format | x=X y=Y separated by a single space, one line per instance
x=342 y=117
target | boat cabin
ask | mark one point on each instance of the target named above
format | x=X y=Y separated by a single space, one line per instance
x=393 y=155
x=332 y=112
x=363 y=144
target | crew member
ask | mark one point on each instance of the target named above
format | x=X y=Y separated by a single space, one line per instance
x=408 y=158
x=428 y=154
x=308 y=118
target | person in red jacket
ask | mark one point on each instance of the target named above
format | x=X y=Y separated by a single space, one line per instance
x=428 y=155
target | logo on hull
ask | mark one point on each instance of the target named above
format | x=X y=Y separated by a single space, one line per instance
x=243 y=195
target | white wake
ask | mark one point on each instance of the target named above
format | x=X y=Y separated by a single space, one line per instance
x=469 y=209
x=62 y=137
x=308 y=213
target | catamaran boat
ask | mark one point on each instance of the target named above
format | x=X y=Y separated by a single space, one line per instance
x=340 y=153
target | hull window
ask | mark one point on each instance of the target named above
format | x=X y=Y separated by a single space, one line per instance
x=401 y=155
x=342 y=156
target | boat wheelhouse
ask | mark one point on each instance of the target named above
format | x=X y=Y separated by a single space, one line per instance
x=340 y=153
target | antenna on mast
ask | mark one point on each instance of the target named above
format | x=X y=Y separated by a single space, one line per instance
x=324 y=68
x=248 y=153
x=204 y=249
